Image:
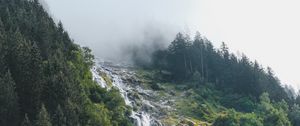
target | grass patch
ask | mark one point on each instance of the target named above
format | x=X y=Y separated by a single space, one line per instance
x=107 y=79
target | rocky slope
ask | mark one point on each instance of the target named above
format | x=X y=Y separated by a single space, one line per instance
x=149 y=107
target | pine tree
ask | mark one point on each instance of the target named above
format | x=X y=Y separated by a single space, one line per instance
x=88 y=56
x=44 y=61
x=43 y=118
x=59 y=118
x=26 y=67
x=71 y=113
x=224 y=51
x=3 y=48
x=198 y=53
x=9 y=112
x=179 y=59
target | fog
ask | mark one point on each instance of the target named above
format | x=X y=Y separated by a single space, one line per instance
x=258 y=28
x=111 y=27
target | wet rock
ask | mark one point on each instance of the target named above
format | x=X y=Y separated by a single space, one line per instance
x=145 y=110
x=172 y=92
x=134 y=95
x=156 y=86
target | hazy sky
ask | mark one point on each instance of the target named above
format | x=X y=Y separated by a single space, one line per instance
x=265 y=30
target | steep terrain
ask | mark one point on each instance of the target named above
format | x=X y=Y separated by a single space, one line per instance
x=45 y=78
x=150 y=107
x=203 y=84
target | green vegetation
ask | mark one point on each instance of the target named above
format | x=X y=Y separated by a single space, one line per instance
x=45 y=78
x=217 y=87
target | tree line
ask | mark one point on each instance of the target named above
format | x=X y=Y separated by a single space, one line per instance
x=246 y=85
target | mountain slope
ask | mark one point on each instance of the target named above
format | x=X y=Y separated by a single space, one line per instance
x=45 y=78
x=218 y=86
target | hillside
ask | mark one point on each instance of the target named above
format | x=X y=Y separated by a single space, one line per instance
x=48 y=80
x=219 y=87
x=45 y=78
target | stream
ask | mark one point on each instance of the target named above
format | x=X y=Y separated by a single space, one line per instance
x=144 y=112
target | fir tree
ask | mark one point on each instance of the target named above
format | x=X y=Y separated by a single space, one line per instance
x=59 y=118
x=26 y=66
x=43 y=118
x=9 y=112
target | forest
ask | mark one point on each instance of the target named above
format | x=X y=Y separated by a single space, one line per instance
x=45 y=78
x=251 y=94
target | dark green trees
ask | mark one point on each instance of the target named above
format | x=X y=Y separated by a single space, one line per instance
x=198 y=54
x=294 y=115
x=274 y=115
x=26 y=67
x=179 y=57
x=46 y=67
x=185 y=58
x=43 y=118
x=9 y=101
x=240 y=80
x=59 y=118
x=26 y=121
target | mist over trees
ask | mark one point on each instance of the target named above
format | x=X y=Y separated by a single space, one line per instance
x=247 y=86
x=45 y=78
x=186 y=58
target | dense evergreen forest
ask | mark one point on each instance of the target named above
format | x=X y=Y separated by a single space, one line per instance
x=45 y=78
x=251 y=94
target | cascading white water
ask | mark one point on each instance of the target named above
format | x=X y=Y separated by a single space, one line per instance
x=141 y=117
x=98 y=78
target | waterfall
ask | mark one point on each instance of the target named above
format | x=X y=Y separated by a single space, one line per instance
x=141 y=117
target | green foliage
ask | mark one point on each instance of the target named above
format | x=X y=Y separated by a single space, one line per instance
x=9 y=101
x=294 y=115
x=233 y=118
x=43 y=118
x=59 y=118
x=47 y=67
x=240 y=82
x=274 y=115
x=197 y=60
x=25 y=65
x=88 y=57
x=238 y=102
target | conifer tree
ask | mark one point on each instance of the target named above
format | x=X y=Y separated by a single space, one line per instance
x=9 y=112
x=43 y=118
x=26 y=66
x=59 y=118
x=3 y=48
x=179 y=59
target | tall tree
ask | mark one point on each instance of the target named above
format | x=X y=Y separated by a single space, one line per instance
x=224 y=51
x=3 y=48
x=198 y=53
x=43 y=118
x=9 y=112
x=59 y=118
x=178 y=57
x=26 y=67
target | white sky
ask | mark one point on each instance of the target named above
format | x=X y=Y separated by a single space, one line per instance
x=265 y=30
